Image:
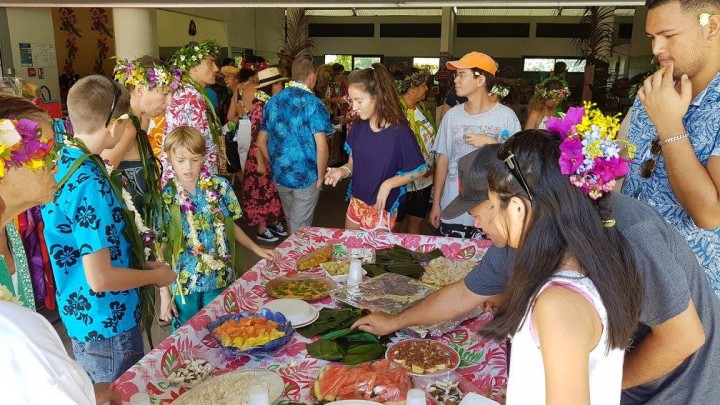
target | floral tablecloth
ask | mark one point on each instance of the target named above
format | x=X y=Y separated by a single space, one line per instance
x=483 y=361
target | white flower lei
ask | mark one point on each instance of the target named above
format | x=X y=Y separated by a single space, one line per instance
x=262 y=96
x=199 y=250
x=300 y=85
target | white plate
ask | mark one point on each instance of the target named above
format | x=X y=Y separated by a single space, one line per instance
x=353 y=402
x=315 y=318
x=233 y=387
x=298 y=312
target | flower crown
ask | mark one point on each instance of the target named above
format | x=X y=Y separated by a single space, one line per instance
x=131 y=74
x=589 y=152
x=21 y=144
x=193 y=53
x=500 y=91
x=415 y=79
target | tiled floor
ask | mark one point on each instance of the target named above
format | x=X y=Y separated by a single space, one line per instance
x=330 y=212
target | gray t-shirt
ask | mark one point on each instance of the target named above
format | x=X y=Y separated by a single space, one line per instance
x=671 y=276
x=499 y=122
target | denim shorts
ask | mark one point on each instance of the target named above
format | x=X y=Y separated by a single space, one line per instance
x=106 y=359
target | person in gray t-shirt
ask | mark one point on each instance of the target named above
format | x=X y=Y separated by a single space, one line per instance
x=675 y=354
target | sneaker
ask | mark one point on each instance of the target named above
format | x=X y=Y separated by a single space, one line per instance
x=278 y=230
x=266 y=236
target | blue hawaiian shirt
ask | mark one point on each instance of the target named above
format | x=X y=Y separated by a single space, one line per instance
x=702 y=122
x=291 y=118
x=86 y=217
x=194 y=276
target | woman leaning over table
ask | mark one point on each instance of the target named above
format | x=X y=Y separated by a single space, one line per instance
x=573 y=301
x=48 y=375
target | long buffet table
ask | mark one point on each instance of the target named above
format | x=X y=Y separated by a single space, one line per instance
x=483 y=361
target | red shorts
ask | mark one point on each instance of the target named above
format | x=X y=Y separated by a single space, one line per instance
x=368 y=218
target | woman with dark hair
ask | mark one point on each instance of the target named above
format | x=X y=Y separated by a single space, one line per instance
x=549 y=96
x=574 y=298
x=261 y=201
x=384 y=154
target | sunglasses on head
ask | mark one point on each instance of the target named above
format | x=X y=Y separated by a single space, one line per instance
x=116 y=97
x=647 y=168
x=511 y=162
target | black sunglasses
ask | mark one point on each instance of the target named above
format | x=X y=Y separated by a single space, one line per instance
x=647 y=168
x=512 y=164
x=116 y=98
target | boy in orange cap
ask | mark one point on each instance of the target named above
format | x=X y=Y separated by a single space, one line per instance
x=466 y=127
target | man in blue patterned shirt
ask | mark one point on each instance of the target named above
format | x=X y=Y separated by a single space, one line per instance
x=96 y=292
x=293 y=138
x=675 y=123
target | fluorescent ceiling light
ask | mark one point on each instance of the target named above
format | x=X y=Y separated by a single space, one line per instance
x=329 y=13
x=384 y=12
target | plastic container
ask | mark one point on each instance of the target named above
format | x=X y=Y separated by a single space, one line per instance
x=430 y=383
x=355 y=275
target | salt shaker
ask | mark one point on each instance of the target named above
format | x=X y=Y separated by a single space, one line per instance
x=258 y=395
x=415 y=396
x=355 y=274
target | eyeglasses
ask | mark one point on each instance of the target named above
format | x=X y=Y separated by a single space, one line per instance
x=116 y=98
x=464 y=75
x=647 y=168
x=512 y=165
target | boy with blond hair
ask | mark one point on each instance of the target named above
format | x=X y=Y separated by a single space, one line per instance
x=89 y=252
x=202 y=250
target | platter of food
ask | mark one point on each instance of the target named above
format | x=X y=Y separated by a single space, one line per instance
x=307 y=287
x=423 y=356
x=314 y=258
x=338 y=270
x=251 y=333
x=367 y=383
x=441 y=271
x=450 y=388
x=387 y=292
x=233 y=388
x=190 y=372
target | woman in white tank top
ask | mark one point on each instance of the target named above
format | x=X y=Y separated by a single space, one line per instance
x=573 y=301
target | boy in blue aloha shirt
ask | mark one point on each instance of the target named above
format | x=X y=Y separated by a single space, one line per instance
x=202 y=243
x=96 y=292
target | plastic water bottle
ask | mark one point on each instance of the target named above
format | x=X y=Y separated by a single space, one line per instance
x=355 y=274
x=258 y=395
x=415 y=396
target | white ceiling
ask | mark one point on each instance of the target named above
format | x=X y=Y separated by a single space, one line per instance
x=483 y=12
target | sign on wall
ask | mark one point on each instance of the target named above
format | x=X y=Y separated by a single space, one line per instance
x=26 y=56
x=44 y=55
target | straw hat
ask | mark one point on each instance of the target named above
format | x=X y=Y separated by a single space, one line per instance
x=269 y=76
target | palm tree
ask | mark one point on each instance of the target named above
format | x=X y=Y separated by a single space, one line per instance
x=595 y=46
x=294 y=32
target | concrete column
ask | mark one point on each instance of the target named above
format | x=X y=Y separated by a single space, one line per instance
x=135 y=32
x=447 y=33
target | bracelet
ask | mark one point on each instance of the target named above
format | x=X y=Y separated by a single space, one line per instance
x=674 y=139
x=349 y=172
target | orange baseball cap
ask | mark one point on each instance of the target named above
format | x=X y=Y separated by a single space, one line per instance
x=474 y=60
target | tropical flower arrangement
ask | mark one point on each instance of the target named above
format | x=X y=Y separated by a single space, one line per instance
x=21 y=144
x=590 y=153
x=131 y=74
x=193 y=53
x=500 y=91
x=415 y=79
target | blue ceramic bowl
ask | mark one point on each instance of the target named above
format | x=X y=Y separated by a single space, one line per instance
x=283 y=326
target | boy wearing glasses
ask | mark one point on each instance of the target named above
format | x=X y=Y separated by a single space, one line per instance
x=89 y=253
x=466 y=127
x=675 y=123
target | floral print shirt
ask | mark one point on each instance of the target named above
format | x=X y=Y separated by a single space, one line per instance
x=195 y=275
x=85 y=218
x=188 y=108
x=702 y=122
x=291 y=120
